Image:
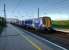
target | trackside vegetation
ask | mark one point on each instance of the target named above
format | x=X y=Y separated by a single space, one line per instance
x=61 y=24
x=2 y=23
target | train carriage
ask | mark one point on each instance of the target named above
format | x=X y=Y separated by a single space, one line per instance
x=42 y=23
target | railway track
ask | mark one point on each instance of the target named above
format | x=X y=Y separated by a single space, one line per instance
x=60 y=38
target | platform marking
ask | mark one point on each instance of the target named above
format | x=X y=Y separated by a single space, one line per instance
x=48 y=41
x=30 y=41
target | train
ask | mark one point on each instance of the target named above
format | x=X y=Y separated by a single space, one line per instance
x=42 y=23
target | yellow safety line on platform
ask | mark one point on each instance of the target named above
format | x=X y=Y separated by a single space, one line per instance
x=30 y=41
x=33 y=44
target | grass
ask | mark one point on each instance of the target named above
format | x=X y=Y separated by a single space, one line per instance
x=61 y=24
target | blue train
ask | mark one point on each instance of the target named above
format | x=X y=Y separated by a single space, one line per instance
x=42 y=23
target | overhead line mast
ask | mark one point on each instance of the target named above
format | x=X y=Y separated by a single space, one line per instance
x=38 y=12
x=5 y=12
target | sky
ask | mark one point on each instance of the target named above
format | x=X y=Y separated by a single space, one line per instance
x=26 y=9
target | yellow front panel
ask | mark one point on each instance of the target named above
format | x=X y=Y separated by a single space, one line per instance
x=47 y=22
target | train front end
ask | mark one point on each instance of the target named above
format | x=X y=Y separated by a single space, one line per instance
x=47 y=23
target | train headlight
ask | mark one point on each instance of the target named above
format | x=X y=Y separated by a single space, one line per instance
x=43 y=25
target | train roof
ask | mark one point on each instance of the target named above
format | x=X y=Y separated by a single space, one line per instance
x=39 y=17
x=45 y=17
